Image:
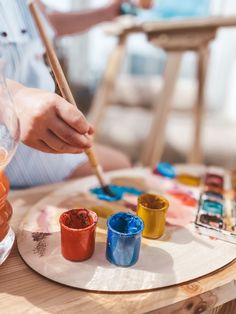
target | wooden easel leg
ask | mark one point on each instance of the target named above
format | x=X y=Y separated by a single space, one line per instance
x=104 y=92
x=156 y=139
x=196 y=152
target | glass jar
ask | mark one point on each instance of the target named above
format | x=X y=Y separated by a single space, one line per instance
x=6 y=233
x=9 y=137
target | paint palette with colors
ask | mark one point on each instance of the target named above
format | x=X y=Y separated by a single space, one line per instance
x=216 y=211
x=165 y=261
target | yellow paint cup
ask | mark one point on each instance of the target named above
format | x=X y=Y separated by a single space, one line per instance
x=152 y=210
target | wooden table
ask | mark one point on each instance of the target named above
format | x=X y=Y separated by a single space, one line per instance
x=24 y=291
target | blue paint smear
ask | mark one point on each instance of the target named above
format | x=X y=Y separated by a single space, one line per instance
x=166 y=170
x=124 y=239
x=118 y=191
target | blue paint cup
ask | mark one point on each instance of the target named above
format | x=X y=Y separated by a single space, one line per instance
x=124 y=239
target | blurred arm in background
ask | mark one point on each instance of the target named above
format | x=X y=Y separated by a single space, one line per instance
x=68 y=23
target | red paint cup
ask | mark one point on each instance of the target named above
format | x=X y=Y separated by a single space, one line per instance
x=78 y=234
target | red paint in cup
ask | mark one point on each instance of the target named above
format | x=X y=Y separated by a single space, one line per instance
x=78 y=234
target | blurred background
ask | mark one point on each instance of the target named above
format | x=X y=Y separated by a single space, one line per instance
x=128 y=119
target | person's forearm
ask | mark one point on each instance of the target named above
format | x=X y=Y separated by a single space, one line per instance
x=76 y=22
x=15 y=90
x=14 y=87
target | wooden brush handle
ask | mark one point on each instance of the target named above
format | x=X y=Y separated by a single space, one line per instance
x=61 y=81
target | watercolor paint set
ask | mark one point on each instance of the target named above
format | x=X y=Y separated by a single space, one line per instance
x=216 y=214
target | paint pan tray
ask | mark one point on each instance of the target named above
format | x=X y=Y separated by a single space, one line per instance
x=214 y=232
x=216 y=216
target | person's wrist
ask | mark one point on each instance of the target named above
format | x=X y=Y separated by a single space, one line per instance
x=145 y=4
x=16 y=90
x=111 y=11
x=14 y=87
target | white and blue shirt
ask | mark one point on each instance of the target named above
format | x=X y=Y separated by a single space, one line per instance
x=23 y=52
x=21 y=46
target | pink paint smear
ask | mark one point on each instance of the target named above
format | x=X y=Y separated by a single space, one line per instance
x=179 y=214
x=42 y=221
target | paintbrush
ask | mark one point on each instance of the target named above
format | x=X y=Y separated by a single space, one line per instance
x=66 y=92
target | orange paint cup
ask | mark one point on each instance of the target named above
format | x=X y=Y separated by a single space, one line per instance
x=3 y=156
x=78 y=234
x=5 y=207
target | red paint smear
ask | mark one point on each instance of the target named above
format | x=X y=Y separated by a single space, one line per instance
x=178 y=214
x=184 y=198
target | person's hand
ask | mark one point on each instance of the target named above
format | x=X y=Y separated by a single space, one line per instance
x=114 y=8
x=50 y=124
x=145 y=4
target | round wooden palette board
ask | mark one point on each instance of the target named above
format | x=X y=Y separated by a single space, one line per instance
x=179 y=256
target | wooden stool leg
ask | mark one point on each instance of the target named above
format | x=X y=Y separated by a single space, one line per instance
x=155 y=142
x=104 y=92
x=196 y=152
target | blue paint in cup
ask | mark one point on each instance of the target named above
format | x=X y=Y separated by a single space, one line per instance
x=124 y=239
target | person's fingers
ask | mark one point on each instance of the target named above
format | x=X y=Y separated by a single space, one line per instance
x=145 y=4
x=72 y=116
x=58 y=145
x=43 y=147
x=69 y=135
x=91 y=130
